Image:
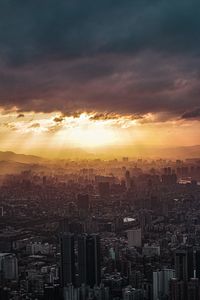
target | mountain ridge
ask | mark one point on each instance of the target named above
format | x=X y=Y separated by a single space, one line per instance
x=182 y=152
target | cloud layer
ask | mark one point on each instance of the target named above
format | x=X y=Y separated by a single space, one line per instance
x=134 y=56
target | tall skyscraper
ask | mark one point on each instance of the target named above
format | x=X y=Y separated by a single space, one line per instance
x=82 y=258
x=89 y=259
x=184 y=264
x=177 y=290
x=93 y=260
x=67 y=259
x=193 y=289
x=161 y=280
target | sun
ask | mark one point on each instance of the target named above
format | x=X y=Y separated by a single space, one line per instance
x=85 y=133
x=92 y=137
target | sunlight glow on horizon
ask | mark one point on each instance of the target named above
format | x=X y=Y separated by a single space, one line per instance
x=31 y=132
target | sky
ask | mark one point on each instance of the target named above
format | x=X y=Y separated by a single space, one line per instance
x=94 y=74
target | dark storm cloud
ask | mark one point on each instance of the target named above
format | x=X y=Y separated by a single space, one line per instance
x=194 y=114
x=134 y=56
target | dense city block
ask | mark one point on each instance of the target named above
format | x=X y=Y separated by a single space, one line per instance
x=100 y=230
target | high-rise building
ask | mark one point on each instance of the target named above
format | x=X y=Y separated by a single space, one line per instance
x=134 y=237
x=89 y=259
x=128 y=179
x=184 y=264
x=136 y=279
x=8 y=266
x=193 y=289
x=161 y=280
x=67 y=259
x=177 y=290
x=82 y=258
